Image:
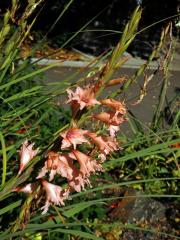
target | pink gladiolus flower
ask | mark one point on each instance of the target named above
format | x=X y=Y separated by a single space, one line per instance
x=54 y=195
x=87 y=165
x=26 y=154
x=73 y=136
x=112 y=130
x=63 y=165
x=112 y=119
x=105 y=144
x=118 y=106
x=57 y=164
x=84 y=97
x=78 y=183
x=29 y=188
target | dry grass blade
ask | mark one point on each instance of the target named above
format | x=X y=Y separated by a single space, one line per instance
x=165 y=67
x=163 y=41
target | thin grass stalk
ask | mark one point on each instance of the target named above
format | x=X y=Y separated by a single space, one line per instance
x=66 y=7
x=162 y=96
x=4 y=160
x=142 y=68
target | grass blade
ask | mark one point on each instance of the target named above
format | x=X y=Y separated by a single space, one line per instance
x=10 y=207
x=4 y=162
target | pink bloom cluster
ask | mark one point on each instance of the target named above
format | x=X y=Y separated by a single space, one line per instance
x=72 y=164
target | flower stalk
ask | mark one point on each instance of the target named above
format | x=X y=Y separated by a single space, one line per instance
x=69 y=161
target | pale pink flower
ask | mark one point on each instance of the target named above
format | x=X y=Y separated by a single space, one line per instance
x=84 y=97
x=57 y=164
x=54 y=195
x=112 y=130
x=118 y=106
x=66 y=193
x=105 y=144
x=26 y=154
x=87 y=164
x=79 y=182
x=64 y=166
x=50 y=164
x=73 y=136
x=29 y=188
x=112 y=119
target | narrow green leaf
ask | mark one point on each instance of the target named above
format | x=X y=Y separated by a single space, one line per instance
x=78 y=233
x=78 y=208
x=155 y=149
x=4 y=159
x=32 y=74
x=127 y=183
x=25 y=93
x=10 y=207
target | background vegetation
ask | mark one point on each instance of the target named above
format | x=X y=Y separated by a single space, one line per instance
x=147 y=163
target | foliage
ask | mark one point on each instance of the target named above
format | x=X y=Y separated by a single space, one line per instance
x=148 y=160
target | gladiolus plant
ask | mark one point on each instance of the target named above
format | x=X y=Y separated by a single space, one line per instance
x=69 y=161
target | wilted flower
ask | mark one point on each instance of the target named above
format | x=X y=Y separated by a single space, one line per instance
x=84 y=97
x=105 y=144
x=56 y=164
x=112 y=119
x=26 y=154
x=54 y=195
x=73 y=136
x=118 y=106
x=87 y=164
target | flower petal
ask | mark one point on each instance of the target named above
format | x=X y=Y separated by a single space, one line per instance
x=54 y=195
x=73 y=136
x=118 y=106
x=84 y=97
x=26 y=154
x=87 y=165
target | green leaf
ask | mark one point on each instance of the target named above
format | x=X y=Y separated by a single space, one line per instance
x=30 y=75
x=4 y=162
x=77 y=208
x=10 y=207
x=78 y=233
x=155 y=149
